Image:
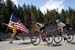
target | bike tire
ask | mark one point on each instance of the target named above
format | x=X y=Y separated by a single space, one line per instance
x=49 y=39
x=70 y=38
x=35 y=40
x=58 y=39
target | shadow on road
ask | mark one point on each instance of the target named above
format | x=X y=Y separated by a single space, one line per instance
x=56 y=45
x=26 y=43
x=72 y=43
x=53 y=45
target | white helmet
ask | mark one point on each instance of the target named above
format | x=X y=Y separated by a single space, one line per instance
x=57 y=21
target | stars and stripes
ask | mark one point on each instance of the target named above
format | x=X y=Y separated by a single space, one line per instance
x=18 y=24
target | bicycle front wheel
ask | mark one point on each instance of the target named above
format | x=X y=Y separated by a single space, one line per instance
x=58 y=39
x=49 y=39
x=35 y=38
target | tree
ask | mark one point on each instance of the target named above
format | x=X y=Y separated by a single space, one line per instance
x=20 y=13
x=40 y=16
x=10 y=6
x=63 y=16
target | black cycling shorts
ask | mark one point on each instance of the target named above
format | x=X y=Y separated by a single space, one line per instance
x=42 y=29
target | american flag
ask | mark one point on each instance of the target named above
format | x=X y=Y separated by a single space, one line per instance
x=18 y=24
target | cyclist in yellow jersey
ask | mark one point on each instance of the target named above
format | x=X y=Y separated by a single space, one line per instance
x=40 y=27
x=37 y=26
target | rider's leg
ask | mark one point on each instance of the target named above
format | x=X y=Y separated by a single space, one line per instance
x=44 y=36
x=63 y=33
x=43 y=33
x=12 y=37
x=37 y=33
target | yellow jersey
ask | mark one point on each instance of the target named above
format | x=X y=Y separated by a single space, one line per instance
x=14 y=29
x=38 y=26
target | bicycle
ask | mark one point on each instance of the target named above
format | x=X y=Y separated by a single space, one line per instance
x=36 y=37
x=66 y=35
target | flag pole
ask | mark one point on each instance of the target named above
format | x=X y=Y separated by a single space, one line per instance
x=8 y=23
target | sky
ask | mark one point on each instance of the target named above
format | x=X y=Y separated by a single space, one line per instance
x=48 y=4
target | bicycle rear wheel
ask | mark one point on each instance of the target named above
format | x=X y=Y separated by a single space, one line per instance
x=69 y=38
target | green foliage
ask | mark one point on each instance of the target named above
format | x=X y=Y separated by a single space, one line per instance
x=29 y=12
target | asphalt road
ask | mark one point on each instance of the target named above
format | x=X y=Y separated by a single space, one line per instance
x=26 y=45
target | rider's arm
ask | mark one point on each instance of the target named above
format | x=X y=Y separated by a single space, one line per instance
x=5 y=24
